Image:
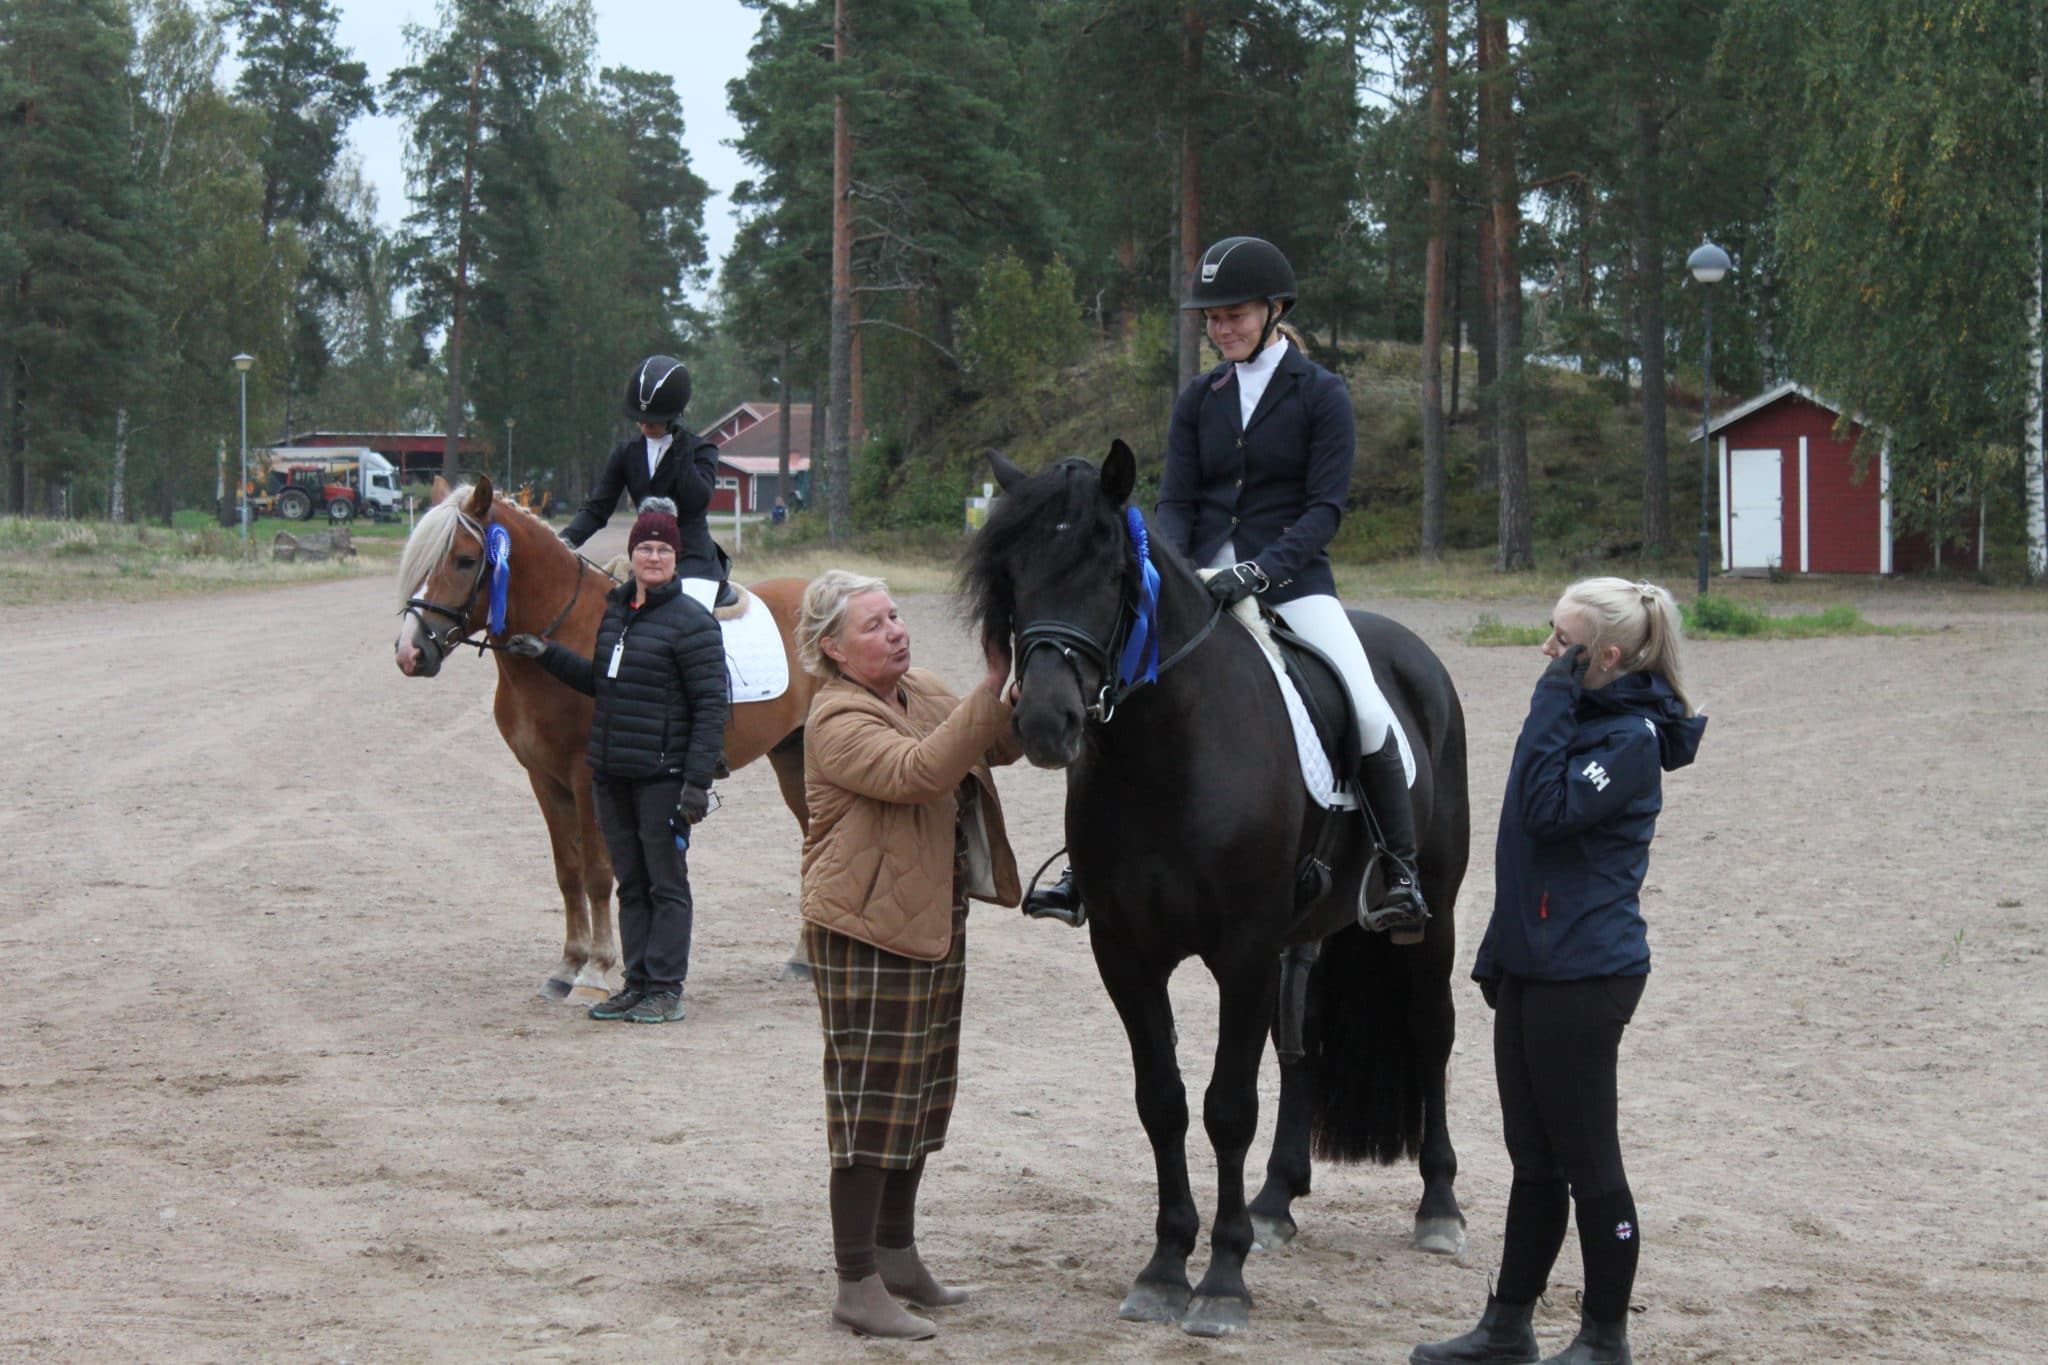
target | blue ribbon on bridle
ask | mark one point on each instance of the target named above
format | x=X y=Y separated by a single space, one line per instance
x=498 y=554
x=1140 y=659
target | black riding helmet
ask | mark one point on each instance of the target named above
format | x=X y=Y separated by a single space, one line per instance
x=1241 y=270
x=658 y=390
x=1244 y=270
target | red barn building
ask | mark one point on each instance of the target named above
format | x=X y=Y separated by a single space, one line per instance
x=748 y=440
x=416 y=453
x=1792 y=497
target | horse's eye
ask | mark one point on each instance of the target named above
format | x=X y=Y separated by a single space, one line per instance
x=465 y=561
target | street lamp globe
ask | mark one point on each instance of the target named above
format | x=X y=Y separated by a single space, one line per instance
x=1708 y=263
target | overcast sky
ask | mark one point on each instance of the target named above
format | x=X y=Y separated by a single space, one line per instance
x=701 y=43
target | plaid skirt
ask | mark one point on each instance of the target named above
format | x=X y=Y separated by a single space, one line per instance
x=892 y=1045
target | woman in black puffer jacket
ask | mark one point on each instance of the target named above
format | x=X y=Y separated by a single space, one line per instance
x=660 y=684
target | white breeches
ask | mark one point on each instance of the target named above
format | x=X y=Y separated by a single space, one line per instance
x=1321 y=621
x=705 y=590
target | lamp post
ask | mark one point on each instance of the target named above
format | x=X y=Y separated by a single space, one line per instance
x=242 y=364
x=510 y=422
x=1709 y=265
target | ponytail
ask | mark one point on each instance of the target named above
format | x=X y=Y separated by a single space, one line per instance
x=1640 y=618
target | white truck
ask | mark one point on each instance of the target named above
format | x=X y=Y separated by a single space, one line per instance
x=342 y=481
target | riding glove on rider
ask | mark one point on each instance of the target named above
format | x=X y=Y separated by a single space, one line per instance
x=1232 y=585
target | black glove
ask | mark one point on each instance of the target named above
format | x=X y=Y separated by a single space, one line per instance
x=1570 y=665
x=694 y=804
x=1489 y=991
x=526 y=646
x=1239 y=581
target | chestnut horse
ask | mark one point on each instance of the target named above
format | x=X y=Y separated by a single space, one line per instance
x=553 y=592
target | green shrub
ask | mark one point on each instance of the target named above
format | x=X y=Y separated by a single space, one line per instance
x=1016 y=326
x=1491 y=630
x=1718 y=614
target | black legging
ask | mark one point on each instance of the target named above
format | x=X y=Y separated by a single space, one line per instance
x=1555 y=1049
x=654 y=880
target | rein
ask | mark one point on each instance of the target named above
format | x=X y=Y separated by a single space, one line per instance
x=459 y=631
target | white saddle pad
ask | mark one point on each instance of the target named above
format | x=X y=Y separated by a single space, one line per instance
x=756 y=664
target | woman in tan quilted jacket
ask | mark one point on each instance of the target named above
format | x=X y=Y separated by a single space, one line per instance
x=905 y=827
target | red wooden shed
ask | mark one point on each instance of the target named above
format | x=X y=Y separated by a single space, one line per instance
x=1793 y=499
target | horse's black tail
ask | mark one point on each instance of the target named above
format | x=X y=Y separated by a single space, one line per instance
x=1367 y=1077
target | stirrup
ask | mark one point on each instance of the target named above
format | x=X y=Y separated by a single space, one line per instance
x=1402 y=912
x=1057 y=901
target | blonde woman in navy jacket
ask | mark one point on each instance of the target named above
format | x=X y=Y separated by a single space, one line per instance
x=1566 y=956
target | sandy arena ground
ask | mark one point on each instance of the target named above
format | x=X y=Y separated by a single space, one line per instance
x=274 y=1083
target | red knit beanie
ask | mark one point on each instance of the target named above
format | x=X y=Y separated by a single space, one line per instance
x=657 y=521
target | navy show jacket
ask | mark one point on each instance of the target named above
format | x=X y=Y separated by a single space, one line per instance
x=1274 y=487
x=686 y=475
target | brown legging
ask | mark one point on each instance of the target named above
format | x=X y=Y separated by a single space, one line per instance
x=871 y=1206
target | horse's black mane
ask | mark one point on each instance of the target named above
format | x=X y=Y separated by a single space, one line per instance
x=1022 y=525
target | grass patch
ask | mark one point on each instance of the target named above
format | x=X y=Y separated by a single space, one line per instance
x=46 y=561
x=1491 y=630
x=1727 y=618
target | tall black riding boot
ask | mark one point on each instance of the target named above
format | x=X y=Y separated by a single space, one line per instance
x=1384 y=783
x=1598 y=1343
x=1059 y=901
x=1504 y=1336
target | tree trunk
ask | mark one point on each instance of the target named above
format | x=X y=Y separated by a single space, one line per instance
x=1486 y=456
x=451 y=450
x=782 y=433
x=117 y=480
x=1190 y=189
x=838 y=461
x=1515 y=550
x=1433 y=492
x=1650 y=309
x=2037 y=383
x=1456 y=267
x=17 y=438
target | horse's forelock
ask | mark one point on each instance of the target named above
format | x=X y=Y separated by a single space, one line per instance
x=428 y=544
x=1022 y=528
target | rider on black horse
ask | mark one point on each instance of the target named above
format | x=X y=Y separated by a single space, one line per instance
x=666 y=460
x=1258 y=469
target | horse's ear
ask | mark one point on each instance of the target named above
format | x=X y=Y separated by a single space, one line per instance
x=1007 y=474
x=1119 y=473
x=439 y=493
x=480 y=501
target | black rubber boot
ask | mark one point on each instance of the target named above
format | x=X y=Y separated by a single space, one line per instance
x=1384 y=783
x=1598 y=1343
x=1503 y=1337
x=1059 y=901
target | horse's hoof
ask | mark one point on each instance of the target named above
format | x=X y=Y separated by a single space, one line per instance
x=1440 y=1236
x=1155 y=1303
x=796 y=969
x=588 y=995
x=555 y=988
x=1270 y=1233
x=1216 y=1317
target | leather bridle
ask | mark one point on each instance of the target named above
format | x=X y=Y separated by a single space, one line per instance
x=459 y=632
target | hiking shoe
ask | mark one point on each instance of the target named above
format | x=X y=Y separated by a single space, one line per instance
x=617 y=1003
x=656 y=1007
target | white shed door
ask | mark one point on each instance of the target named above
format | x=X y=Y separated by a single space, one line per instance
x=1756 y=509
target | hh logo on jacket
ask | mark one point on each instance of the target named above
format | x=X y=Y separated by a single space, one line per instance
x=1595 y=774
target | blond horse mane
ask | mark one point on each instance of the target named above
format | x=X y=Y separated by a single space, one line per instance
x=435 y=531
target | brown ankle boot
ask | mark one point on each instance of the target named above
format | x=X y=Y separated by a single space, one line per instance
x=907 y=1277
x=866 y=1309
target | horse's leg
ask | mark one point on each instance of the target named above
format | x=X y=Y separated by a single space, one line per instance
x=558 y=808
x=1248 y=984
x=1138 y=990
x=1439 y=1222
x=601 y=953
x=1287 y=1167
x=787 y=759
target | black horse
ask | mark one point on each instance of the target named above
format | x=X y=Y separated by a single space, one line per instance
x=1187 y=824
